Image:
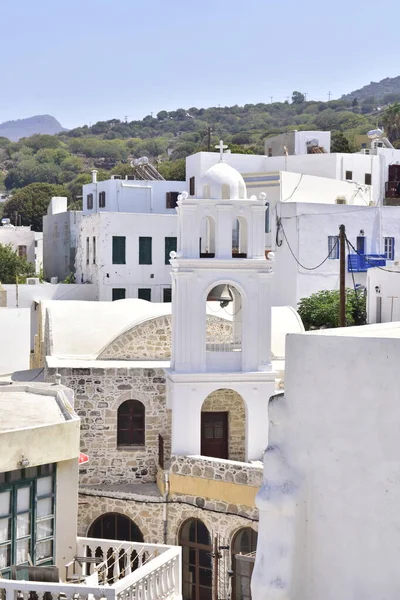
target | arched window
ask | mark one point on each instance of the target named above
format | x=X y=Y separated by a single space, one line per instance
x=113 y=526
x=244 y=547
x=267 y=217
x=196 y=560
x=131 y=424
x=207 y=238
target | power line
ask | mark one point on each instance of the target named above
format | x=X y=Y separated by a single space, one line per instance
x=280 y=226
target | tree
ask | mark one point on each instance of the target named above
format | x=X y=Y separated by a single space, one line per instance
x=13 y=266
x=354 y=104
x=31 y=202
x=298 y=98
x=321 y=310
x=391 y=122
x=173 y=170
x=340 y=143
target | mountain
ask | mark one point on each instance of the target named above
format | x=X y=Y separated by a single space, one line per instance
x=15 y=130
x=387 y=90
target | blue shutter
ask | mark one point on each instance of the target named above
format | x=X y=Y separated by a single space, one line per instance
x=118 y=250
x=145 y=251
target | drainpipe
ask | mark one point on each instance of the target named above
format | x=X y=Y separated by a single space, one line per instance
x=165 y=506
x=94 y=182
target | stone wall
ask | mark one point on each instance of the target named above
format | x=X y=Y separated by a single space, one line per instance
x=220 y=470
x=228 y=400
x=147 y=514
x=151 y=340
x=98 y=394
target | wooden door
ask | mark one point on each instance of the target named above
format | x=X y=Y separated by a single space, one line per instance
x=214 y=434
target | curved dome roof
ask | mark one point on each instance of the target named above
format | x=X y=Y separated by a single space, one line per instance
x=222 y=182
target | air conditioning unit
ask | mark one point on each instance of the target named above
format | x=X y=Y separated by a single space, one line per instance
x=341 y=200
x=54 y=280
x=32 y=280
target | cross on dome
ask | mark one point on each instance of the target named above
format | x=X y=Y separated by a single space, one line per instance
x=221 y=149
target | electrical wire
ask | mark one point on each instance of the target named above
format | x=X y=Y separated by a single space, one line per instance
x=295 y=189
x=219 y=512
x=37 y=375
x=280 y=226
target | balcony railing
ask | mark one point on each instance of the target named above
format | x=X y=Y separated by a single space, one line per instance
x=122 y=570
x=358 y=263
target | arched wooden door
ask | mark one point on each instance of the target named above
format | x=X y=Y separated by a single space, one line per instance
x=196 y=560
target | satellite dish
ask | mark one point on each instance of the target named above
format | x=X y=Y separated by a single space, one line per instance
x=375 y=134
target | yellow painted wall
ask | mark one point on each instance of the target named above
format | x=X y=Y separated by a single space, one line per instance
x=215 y=490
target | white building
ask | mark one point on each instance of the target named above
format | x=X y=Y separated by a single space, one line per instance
x=24 y=241
x=128 y=229
x=329 y=520
x=60 y=231
x=15 y=336
x=383 y=294
x=298 y=142
x=130 y=195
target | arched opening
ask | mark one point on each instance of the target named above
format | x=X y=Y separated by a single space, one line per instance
x=244 y=545
x=113 y=526
x=226 y=191
x=207 y=238
x=223 y=425
x=206 y=191
x=225 y=301
x=239 y=238
x=196 y=560
x=131 y=424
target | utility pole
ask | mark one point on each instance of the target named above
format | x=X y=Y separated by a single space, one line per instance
x=329 y=96
x=271 y=98
x=209 y=139
x=342 y=279
x=305 y=96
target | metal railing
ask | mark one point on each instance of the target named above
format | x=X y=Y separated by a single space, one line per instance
x=215 y=344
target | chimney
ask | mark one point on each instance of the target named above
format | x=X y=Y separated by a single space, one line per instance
x=94 y=176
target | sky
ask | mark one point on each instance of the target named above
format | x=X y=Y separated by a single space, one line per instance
x=84 y=61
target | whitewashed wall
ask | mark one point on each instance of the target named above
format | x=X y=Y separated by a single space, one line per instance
x=15 y=339
x=383 y=287
x=19 y=236
x=339 y=519
x=130 y=276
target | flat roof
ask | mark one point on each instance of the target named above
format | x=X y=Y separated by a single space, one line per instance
x=376 y=330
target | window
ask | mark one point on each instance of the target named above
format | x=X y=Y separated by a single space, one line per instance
x=102 y=199
x=112 y=526
x=192 y=186
x=195 y=540
x=172 y=199
x=368 y=179
x=87 y=250
x=94 y=250
x=267 y=218
x=27 y=499
x=333 y=246
x=144 y=294
x=118 y=250
x=170 y=246
x=244 y=547
x=389 y=248
x=131 y=424
x=22 y=251
x=167 y=295
x=349 y=175
x=89 y=201
x=145 y=250
x=118 y=293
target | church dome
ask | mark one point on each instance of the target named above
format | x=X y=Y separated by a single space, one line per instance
x=222 y=182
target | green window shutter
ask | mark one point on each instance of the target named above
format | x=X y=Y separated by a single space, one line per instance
x=144 y=294
x=170 y=245
x=118 y=294
x=145 y=250
x=118 y=250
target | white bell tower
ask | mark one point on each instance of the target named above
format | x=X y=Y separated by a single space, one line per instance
x=220 y=262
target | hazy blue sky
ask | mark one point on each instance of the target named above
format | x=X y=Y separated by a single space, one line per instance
x=89 y=60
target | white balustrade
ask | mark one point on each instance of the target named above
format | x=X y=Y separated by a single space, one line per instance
x=127 y=571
